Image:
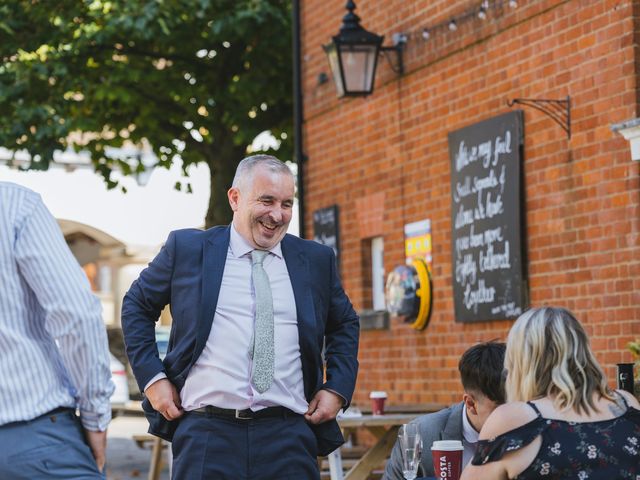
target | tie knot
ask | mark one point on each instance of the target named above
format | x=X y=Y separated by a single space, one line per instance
x=258 y=256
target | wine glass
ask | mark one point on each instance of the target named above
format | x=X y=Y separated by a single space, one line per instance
x=411 y=449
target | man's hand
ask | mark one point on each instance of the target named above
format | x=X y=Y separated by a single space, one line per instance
x=324 y=406
x=165 y=399
x=98 y=444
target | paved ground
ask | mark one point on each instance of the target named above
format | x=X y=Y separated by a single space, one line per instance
x=125 y=460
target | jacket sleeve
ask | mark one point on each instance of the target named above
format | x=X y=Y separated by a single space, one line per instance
x=141 y=308
x=341 y=340
x=431 y=427
x=393 y=469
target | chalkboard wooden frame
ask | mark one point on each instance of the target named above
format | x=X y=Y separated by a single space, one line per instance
x=326 y=228
x=487 y=219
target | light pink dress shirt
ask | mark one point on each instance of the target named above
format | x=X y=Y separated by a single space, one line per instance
x=222 y=374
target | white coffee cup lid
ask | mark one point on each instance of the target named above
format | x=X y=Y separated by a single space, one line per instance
x=378 y=394
x=447 y=445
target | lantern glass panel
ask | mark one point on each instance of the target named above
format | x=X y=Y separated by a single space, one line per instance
x=334 y=64
x=358 y=64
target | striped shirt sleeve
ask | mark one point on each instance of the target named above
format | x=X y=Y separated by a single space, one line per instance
x=72 y=313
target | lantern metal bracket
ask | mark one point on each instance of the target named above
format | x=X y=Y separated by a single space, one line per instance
x=399 y=42
x=558 y=110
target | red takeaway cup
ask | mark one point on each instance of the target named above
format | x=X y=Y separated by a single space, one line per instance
x=377 y=402
x=447 y=459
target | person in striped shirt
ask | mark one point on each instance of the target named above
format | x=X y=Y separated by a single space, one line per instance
x=53 y=350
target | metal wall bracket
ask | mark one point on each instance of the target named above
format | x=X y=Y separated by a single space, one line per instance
x=558 y=110
x=399 y=42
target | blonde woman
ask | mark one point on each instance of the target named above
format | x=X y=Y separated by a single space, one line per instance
x=561 y=420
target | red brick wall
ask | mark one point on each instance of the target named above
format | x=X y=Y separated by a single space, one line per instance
x=582 y=195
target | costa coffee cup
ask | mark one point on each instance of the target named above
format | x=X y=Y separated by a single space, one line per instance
x=447 y=459
x=377 y=402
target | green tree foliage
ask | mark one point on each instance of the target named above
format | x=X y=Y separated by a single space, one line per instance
x=198 y=78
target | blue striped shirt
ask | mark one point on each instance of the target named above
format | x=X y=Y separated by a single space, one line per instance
x=53 y=342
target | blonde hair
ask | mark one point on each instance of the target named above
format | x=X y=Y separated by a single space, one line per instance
x=548 y=354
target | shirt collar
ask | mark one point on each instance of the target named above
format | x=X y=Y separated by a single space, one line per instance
x=240 y=247
x=468 y=432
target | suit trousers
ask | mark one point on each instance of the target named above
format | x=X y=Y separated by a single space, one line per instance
x=51 y=446
x=225 y=448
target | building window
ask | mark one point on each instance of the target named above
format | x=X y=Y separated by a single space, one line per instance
x=373 y=274
x=373 y=315
x=377 y=273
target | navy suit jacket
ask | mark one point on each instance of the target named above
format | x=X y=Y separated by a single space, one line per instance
x=187 y=274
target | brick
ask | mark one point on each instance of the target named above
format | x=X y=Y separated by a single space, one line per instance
x=582 y=204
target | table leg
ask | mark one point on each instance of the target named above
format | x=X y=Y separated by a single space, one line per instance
x=156 y=459
x=377 y=432
x=374 y=456
x=335 y=465
x=169 y=453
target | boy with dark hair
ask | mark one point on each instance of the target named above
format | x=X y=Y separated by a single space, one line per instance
x=480 y=368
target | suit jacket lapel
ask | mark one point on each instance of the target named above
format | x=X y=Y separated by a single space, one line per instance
x=214 y=258
x=453 y=428
x=298 y=267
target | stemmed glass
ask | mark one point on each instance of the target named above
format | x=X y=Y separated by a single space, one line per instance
x=411 y=448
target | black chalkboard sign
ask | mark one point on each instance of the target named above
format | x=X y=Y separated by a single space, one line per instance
x=486 y=219
x=325 y=228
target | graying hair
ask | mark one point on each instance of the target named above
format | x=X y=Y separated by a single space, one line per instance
x=246 y=167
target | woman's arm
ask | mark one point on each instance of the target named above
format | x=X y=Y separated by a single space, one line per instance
x=504 y=419
x=488 y=471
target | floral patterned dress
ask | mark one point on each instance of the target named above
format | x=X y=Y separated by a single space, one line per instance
x=601 y=450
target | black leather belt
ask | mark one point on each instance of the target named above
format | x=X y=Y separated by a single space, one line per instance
x=246 y=414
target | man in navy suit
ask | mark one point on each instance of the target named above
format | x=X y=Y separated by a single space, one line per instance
x=246 y=390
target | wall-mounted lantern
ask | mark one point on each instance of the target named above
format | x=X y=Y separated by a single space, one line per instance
x=353 y=55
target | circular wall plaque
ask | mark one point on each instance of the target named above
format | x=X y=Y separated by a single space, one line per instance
x=408 y=293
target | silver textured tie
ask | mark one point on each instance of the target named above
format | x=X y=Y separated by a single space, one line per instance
x=263 y=349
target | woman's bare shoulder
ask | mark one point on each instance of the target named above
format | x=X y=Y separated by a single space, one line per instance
x=631 y=400
x=505 y=418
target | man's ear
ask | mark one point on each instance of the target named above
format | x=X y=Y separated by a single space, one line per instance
x=233 y=194
x=470 y=403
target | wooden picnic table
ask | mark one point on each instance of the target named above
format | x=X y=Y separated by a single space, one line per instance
x=384 y=428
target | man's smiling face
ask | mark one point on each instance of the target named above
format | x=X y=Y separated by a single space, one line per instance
x=262 y=206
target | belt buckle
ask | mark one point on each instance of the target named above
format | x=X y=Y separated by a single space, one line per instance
x=243 y=414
